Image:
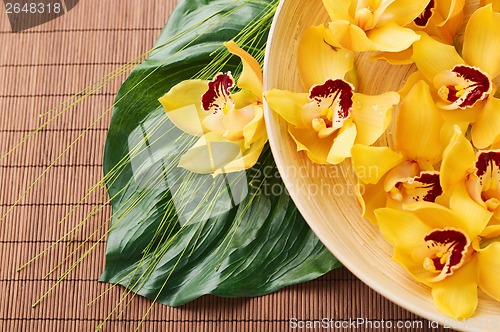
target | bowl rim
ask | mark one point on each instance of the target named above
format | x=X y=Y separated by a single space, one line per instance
x=369 y=279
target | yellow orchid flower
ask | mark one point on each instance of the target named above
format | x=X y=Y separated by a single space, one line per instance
x=440 y=247
x=331 y=118
x=327 y=121
x=387 y=177
x=477 y=172
x=464 y=87
x=230 y=125
x=440 y=19
x=374 y=25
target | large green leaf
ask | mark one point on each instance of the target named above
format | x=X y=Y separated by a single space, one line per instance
x=176 y=235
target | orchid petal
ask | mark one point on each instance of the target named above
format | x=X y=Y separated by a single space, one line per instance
x=496 y=214
x=402 y=172
x=214 y=123
x=495 y=3
x=392 y=37
x=370 y=163
x=449 y=128
x=370 y=197
x=486 y=129
x=418 y=114
x=373 y=13
x=404 y=57
x=251 y=75
x=456 y=295
x=490 y=232
x=483 y=183
x=452 y=20
x=482 y=40
x=414 y=267
x=401 y=228
x=433 y=57
x=256 y=128
x=458 y=159
x=341 y=147
x=372 y=115
x=307 y=140
x=210 y=153
x=321 y=58
x=437 y=216
x=446 y=17
x=462 y=116
x=235 y=121
x=462 y=204
x=183 y=105
x=245 y=161
x=338 y=9
x=288 y=105
x=244 y=98
x=351 y=36
x=403 y=12
x=489 y=270
x=449 y=10
x=410 y=82
x=187 y=119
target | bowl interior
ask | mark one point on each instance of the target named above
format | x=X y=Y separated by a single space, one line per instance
x=325 y=194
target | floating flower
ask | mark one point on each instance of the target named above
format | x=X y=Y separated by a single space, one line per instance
x=483 y=183
x=328 y=120
x=408 y=175
x=374 y=25
x=441 y=19
x=440 y=248
x=464 y=86
x=478 y=172
x=231 y=125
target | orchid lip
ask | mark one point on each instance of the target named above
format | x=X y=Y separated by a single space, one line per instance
x=423 y=19
x=331 y=104
x=218 y=96
x=483 y=184
x=462 y=87
x=446 y=250
x=423 y=187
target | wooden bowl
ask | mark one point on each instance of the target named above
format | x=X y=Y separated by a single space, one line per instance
x=324 y=194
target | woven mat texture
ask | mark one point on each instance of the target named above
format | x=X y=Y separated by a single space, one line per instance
x=39 y=69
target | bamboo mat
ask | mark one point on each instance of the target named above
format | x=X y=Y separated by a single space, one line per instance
x=39 y=69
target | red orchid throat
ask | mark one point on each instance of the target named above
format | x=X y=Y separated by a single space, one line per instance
x=447 y=250
x=217 y=99
x=423 y=19
x=423 y=187
x=332 y=102
x=407 y=183
x=483 y=184
x=463 y=86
